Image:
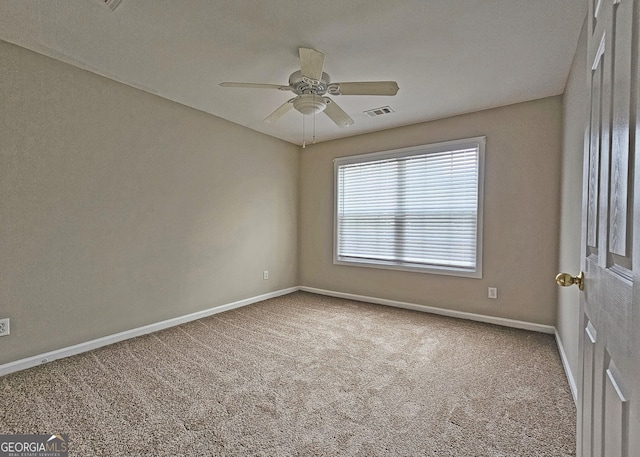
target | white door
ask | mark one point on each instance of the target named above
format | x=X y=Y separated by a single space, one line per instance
x=609 y=374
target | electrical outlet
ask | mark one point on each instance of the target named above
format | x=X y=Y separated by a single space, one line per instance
x=493 y=292
x=265 y=274
x=4 y=327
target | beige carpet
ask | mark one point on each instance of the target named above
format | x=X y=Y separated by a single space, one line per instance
x=305 y=375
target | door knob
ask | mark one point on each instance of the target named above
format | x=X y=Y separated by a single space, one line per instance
x=566 y=280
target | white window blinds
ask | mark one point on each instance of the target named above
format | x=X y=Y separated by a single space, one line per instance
x=418 y=208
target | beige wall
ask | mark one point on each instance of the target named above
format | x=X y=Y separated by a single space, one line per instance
x=521 y=210
x=119 y=208
x=575 y=115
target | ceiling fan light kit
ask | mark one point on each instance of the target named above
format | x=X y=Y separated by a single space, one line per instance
x=309 y=104
x=311 y=84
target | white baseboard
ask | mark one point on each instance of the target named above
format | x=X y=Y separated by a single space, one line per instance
x=567 y=369
x=440 y=311
x=46 y=357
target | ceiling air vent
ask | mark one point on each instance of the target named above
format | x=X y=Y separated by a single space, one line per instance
x=113 y=4
x=378 y=111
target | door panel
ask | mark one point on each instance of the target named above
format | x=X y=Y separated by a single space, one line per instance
x=594 y=155
x=609 y=378
x=621 y=111
x=588 y=373
x=615 y=435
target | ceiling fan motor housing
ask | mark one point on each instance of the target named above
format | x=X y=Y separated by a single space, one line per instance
x=302 y=85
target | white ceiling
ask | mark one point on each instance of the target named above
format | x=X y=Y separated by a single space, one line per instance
x=448 y=56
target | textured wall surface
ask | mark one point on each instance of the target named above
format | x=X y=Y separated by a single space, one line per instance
x=521 y=211
x=119 y=208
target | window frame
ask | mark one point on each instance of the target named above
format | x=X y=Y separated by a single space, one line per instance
x=445 y=146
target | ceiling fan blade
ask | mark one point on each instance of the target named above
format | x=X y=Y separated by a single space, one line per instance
x=364 y=88
x=280 y=111
x=255 y=86
x=336 y=114
x=311 y=63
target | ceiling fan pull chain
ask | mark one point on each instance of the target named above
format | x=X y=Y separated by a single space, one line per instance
x=314 y=123
x=304 y=144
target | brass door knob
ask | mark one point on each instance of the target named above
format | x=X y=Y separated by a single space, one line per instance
x=566 y=280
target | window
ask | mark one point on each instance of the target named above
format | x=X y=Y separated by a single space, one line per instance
x=416 y=209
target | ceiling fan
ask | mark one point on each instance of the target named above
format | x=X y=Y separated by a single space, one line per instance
x=311 y=86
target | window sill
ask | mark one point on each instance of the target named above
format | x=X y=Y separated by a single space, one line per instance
x=447 y=271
